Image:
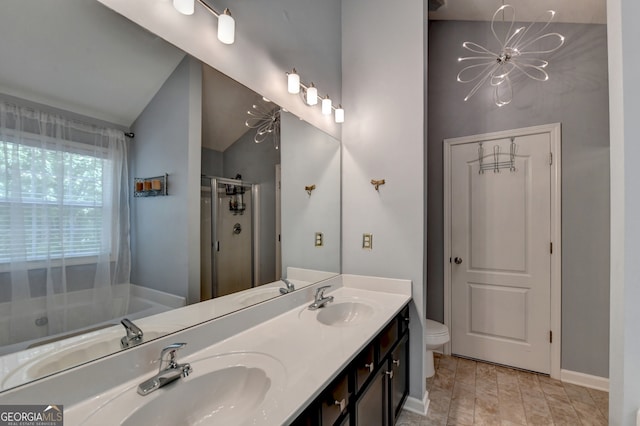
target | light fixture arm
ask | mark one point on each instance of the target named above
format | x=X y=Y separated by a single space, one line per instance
x=305 y=87
x=212 y=10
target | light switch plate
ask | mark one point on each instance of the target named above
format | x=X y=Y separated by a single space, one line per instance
x=367 y=241
x=319 y=239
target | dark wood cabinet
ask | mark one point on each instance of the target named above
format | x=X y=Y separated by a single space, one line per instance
x=373 y=388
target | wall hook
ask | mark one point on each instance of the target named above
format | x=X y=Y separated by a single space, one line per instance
x=377 y=183
x=309 y=189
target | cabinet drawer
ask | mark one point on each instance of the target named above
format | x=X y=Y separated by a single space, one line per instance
x=388 y=337
x=364 y=366
x=335 y=400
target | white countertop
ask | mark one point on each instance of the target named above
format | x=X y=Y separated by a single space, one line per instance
x=311 y=353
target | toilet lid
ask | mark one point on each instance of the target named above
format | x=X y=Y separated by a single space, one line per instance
x=434 y=328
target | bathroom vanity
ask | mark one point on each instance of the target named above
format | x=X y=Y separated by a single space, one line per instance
x=274 y=363
x=372 y=389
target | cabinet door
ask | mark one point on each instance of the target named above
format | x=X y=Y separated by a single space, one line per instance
x=371 y=408
x=335 y=400
x=364 y=366
x=399 y=364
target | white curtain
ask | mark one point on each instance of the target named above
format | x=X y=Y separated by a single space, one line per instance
x=64 y=224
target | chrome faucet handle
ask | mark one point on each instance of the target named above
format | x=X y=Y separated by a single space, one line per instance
x=134 y=334
x=171 y=350
x=133 y=331
x=320 y=292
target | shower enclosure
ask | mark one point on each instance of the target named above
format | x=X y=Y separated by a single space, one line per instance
x=229 y=218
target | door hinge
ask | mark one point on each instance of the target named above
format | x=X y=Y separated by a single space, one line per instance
x=550 y=336
x=551 y=247
x=551 y=158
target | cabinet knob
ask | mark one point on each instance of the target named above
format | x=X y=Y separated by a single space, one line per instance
x=389 y=373
x=342 y=404
x=369 y=366
x=396 y=362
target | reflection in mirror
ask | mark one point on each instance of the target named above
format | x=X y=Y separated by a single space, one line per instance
x=105 y=75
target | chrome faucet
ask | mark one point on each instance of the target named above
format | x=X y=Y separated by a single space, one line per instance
x=134 y=334
x=168 y=371
x=290 y=287
x=319 y=300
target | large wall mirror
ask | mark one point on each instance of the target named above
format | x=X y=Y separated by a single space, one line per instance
x=260 y=187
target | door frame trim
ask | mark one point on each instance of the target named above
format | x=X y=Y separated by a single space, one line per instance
x=554 y=131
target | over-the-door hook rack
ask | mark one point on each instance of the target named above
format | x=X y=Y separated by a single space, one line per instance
x=496 y=165
x=377 y=183
x=309 y=188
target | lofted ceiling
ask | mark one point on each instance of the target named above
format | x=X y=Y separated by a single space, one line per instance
x=79 y=56
x=225 y=103
x=573 y=11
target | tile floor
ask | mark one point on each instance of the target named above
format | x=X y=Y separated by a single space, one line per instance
x=465 y=392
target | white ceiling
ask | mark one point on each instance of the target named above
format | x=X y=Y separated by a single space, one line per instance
x=80 y=56
x=575 y=11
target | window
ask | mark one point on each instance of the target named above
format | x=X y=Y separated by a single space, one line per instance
x=58 y=191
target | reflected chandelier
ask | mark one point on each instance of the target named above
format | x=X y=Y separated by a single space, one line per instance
x=514 y=54
x=266 y=122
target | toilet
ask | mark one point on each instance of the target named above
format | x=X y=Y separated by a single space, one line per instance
x=436 y=335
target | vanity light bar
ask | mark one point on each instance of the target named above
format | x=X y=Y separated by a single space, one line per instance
x=226 y=23
x=310 y=95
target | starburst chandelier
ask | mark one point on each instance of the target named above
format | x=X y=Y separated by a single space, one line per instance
x=266 y=122
x=518 y=51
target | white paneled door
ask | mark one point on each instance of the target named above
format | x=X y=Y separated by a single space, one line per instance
x=500 y=249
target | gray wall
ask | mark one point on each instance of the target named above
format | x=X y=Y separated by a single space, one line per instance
x=211 y=162
x=161 y=227
x=576 y=95
x=309 y=157
x=383 y=138
x=257 y=164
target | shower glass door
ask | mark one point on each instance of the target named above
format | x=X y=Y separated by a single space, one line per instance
x=227 y=237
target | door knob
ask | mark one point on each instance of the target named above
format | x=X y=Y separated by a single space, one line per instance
x=458 y=260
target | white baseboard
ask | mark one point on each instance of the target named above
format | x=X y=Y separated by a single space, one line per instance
x=416 y=406
x=586 y=380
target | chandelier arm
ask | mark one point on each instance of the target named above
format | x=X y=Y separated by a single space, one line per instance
x=518 y=34
x=505 y=69
x=477 y=58
x=493 y=21
x=522 y=69
x=488 y=66
x=538 y=20
x=508 y=90
x=481 y=49
x=478 y=85
x=561 y=40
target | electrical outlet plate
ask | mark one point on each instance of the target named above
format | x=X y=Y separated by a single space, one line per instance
x=367 y=241
x=319 y=239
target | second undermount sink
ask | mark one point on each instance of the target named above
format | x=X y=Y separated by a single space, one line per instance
x=230 y=389
x=345 y=314
x=61 y=355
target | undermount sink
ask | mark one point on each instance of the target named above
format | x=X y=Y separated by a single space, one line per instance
x=257 y=295
x=61 y=356
x=236 y=388
x=345 y=314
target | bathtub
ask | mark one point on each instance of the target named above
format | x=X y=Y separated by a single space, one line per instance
x=33 y=325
